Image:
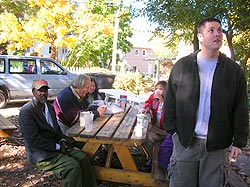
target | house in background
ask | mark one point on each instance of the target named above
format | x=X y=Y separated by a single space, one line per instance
x=136 y=60
x=46 y=51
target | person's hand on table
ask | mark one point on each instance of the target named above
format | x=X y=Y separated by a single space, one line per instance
x=102 y=109
x=144 y=110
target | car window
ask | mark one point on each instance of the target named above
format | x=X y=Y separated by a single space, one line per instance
x=49 y=67
x=2 y=66
x=22 y=66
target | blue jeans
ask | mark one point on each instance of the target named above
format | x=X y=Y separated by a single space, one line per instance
x=195 y=167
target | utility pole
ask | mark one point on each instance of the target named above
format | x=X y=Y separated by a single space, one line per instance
x=115 y=39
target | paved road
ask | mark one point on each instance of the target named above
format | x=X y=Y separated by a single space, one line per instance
x=11 y=109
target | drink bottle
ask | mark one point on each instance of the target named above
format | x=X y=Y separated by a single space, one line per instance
x=155 y=103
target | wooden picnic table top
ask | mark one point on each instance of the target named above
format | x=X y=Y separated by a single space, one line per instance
x=6 y=127
x=114 y=128
x=117 y=132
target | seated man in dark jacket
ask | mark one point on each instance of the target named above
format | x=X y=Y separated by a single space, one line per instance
x=45 y=144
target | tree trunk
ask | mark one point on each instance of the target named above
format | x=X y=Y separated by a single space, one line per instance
x=244 y=65
x=3 y=49
x=229 y=36
x=54 y=52
x=195 y=41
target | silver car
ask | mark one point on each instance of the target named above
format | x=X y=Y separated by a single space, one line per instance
x=18 y=72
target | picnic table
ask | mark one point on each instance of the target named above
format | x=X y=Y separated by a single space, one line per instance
x=6 y=127
x=117 y=131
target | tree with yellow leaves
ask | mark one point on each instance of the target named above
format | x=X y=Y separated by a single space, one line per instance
x=54 y=23
x=86 y=30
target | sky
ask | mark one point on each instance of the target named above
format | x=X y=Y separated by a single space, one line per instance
x=139 y=23
x=140 y=26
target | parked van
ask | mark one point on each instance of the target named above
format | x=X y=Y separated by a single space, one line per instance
x=18 y=72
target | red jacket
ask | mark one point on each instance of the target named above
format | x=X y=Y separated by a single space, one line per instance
x=150 y=103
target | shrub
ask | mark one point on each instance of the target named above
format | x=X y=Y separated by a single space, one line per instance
x=133 y=82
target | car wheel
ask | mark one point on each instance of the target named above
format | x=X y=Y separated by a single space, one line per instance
x=3 y=99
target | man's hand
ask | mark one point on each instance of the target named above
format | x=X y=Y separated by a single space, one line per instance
x=235 y=153
x=102 y=109
x=64 y=148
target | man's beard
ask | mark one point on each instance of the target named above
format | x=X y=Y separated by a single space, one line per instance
x=42 y=100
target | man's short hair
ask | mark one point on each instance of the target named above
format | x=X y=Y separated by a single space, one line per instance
x=204 y=21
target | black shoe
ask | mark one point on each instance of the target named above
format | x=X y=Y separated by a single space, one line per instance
x=100 y=157
x=149 y=163
x=146 y=168
x=115 y=163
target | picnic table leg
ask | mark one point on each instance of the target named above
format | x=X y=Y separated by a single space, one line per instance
x=90 y=148
x=125 y=157
x=109 y=156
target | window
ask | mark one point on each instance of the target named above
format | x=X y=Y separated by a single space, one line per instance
x=134 y=68
x=2 y=66
x=22 y=66
x=49 y=67
x=64 y=50
x=136 y=52
x=143 y=52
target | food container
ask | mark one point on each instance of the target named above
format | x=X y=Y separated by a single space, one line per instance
x=123 y=101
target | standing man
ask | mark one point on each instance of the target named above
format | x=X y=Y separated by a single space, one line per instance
x=45 y=144
x=206 y=111
x=72 y=100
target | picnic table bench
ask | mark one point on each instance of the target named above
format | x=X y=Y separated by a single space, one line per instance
x=6 y=127
x=158 y=174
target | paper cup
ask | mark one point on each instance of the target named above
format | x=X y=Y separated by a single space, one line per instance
x=138 y=131
x=86 y=120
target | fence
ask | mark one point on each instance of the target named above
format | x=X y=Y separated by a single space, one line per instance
x=79 y=70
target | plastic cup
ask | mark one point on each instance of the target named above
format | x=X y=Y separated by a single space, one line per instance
x=140 y=119
x=123 y=101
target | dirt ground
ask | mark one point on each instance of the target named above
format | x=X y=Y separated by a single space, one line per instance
x=15 y=172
